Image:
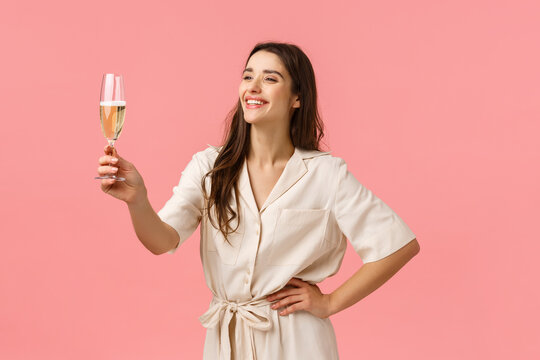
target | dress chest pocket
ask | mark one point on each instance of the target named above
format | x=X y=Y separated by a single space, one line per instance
x=227 y=251
x=298 y=236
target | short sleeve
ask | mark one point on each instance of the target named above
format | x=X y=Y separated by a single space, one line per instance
x=373 y=228
x=183 y=211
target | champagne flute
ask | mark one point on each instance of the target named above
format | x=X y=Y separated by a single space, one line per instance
x=112 y=110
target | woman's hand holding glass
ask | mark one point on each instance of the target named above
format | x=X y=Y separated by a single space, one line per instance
x=132 y=189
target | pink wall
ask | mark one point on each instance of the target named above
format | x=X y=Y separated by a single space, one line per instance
x=434 y=105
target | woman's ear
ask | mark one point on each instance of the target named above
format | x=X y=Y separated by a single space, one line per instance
x=297 y=102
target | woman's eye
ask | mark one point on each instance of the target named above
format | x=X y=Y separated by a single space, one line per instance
x=247 y=77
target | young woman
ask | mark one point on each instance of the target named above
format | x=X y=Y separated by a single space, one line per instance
x=275 y=213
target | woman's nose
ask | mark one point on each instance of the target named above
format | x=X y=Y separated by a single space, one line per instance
x=254 y=85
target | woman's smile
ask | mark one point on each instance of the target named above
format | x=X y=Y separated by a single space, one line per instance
x=254 y=106
x=253 y=102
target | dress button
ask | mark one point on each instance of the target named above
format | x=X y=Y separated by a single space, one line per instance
x=248 y=272
x=246 y=281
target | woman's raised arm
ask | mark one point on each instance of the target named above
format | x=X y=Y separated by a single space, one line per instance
x=155 y=235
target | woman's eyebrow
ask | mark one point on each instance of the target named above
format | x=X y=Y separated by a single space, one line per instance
x=266 y=71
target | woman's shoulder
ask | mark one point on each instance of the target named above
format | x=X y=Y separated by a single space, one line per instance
x=208 y=155
x=320 y=158
x=310 y=154
x=211 y=150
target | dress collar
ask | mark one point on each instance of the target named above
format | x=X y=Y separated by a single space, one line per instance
x=294 y=170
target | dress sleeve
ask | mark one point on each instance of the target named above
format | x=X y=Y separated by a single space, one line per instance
x=183 y=211
x=373 y=228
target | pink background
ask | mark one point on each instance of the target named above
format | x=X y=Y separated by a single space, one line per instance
x=433 y=104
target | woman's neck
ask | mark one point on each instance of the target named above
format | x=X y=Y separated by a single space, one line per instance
x=269 y=148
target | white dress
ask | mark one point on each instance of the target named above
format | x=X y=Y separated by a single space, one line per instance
x=300 y=231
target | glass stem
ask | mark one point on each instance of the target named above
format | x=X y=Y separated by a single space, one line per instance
x=111 y=144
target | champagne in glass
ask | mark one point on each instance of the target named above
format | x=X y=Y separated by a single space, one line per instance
x=112 y=111
x=112 y=115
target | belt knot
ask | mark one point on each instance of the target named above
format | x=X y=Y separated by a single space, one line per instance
x=233 y=307
x=250 y=315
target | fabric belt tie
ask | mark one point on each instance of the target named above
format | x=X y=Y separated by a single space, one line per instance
x=251 y=314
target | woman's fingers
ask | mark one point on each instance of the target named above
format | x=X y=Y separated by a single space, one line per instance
x=107 y=182
x=112 y=158
x=104 y=170
x=287 y=301
x=107 y=159
x=110 y=150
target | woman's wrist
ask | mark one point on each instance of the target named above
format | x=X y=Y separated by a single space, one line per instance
x=331 y=307
x=140 y=199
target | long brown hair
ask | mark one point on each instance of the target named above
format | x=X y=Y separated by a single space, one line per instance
x=306 y=131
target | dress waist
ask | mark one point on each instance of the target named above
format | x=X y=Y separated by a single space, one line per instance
x=250 y=315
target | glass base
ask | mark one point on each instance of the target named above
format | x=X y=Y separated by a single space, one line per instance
x=117 y=178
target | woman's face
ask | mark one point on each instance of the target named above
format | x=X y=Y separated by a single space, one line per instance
x=266 y=79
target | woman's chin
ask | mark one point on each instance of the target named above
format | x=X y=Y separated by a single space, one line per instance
x=254 y=120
